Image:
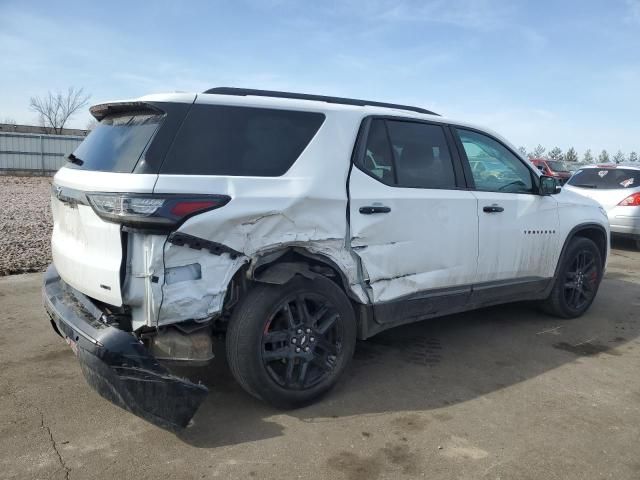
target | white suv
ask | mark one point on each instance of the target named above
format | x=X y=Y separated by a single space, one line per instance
x=292 y=224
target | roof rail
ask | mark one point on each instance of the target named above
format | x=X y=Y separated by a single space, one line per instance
x=319 y=98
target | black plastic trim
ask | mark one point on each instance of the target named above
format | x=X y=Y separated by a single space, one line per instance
x=446 y=301
x=572 y=233
x=115 y=363
x=184 y=239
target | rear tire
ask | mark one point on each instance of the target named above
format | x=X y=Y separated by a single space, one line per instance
x=578 y=280
x=288 y=344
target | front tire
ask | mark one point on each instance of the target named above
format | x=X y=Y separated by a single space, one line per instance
x=288 y=344
x=578 y=280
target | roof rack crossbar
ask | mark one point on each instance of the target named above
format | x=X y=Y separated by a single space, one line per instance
x=242 y=92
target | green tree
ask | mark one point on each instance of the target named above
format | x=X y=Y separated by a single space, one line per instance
x=571 y=156
x=618 y=157
x=556 y=154
x=538 y=152
x=603 y=157
x=633 y=157
x=588 y=156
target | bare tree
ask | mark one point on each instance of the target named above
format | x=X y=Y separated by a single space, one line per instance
x=55 y=109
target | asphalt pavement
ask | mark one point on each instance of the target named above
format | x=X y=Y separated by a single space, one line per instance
x=500 y=393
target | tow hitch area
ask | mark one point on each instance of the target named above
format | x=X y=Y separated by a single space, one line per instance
x=116 y=364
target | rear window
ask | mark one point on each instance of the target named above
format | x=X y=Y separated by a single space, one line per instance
x=117 y=142
x=606 y=178
x=557 y=166
x=240 y=141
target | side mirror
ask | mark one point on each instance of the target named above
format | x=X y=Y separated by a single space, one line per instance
x=548 y=185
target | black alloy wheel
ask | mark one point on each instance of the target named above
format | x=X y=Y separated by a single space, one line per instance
x=289 y=344
x=577 y=279
x=301 y=341
x=581 y=280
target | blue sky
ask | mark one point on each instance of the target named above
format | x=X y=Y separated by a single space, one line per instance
x=557 y=73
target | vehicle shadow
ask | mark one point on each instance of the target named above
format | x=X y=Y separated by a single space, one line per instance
x=623 y=243
x=429 y=365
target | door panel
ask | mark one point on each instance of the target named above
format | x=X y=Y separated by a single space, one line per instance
x=521 y=240
x=518 y=229
x=427 y=240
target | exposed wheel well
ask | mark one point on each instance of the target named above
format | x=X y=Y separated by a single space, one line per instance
x=279 y=267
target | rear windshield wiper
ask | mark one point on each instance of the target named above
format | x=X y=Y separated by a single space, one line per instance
x=585 y=185
x=73 y=159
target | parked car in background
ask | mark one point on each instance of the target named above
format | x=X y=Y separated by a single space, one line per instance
x=617 y=189
x=554 y=168
x=293 y=225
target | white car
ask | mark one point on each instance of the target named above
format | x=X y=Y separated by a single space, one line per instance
x=617 y=189
x=293 y=224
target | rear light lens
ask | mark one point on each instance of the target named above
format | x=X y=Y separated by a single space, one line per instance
x=152 y=212
x=631 y=201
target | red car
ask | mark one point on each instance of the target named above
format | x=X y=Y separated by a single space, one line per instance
x=553 y=168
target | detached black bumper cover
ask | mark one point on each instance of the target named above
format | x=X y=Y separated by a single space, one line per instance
x=115 y=363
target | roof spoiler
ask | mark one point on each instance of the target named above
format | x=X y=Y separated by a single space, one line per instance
x=103 y=109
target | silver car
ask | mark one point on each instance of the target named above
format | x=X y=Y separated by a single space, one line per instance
x=617 y=189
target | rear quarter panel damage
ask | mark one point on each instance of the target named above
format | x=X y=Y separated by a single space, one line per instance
x=304 y=208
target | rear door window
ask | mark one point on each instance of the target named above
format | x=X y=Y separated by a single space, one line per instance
x=240 y=141
x=408 y=154
x=117 y=142
x=605 y=178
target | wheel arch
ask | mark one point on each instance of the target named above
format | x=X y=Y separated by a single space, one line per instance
x=280 y=266
x=594 y=232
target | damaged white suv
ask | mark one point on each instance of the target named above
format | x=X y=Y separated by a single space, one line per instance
x=293 y=224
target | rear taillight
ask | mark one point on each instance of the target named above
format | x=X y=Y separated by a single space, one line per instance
x=154 y=212
x=631 y=201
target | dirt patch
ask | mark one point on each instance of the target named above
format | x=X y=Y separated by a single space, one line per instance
x=25 y=224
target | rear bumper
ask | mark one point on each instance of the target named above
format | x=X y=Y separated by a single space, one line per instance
x=625 y=220
x=115 y=363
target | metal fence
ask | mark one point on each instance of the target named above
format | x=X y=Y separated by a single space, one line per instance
x=35 y=153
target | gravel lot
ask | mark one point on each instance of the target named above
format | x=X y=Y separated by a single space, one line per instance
x=25 y=224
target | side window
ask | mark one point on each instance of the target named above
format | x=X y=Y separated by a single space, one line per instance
x=240 y=141
x=378 y=158
x=494 y=167
x=408 y=154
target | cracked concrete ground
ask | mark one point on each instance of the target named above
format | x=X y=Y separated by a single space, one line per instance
x=504 y=392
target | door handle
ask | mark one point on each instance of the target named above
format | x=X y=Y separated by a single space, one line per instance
x=370 y=209
x=492 y=209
